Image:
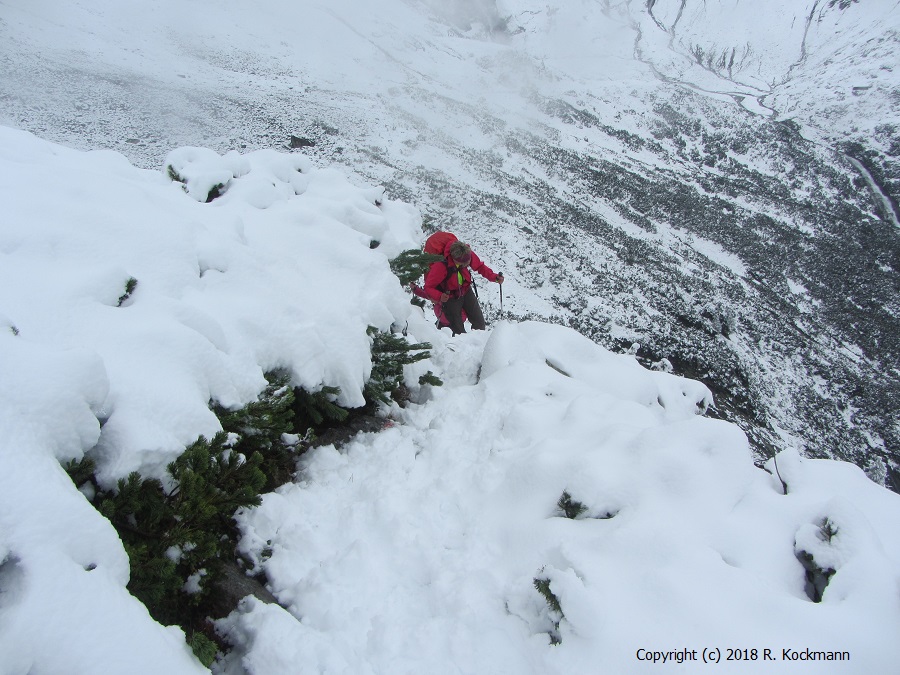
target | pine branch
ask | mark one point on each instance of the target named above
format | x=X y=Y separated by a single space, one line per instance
x=412 y=264
x=569 y=507
x=390 y=353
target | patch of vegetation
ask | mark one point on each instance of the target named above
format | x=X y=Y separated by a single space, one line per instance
x=390 y=352
x=180 y=532
x=430 y=379
x=412 y=264
x=178 y=535
x=174 y=176
x=204 y=649
x=569 y=507
x=319 y=408
x=542 y=586
x=817 y=576
x=130 y=287
x=215 y=191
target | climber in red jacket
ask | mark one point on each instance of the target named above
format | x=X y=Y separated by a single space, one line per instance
x=449 y=282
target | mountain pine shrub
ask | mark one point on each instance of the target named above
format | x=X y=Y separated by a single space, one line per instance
x=542 y=585
x=818 y=576
x=177 y=537
x=178 y=534
x=412 y=264
x=431 y=379
x=215 y=191
x=390 y=352
x=265 y=426
x=175 y=177
x=183 y=533
x=314 y=409
x=827 y=530
x=204 y=648
x=261 y=424
x=569 y=507
x=281 y=424
x=130 y=286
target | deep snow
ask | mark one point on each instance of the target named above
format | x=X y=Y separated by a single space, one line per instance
x=590 y=134
x=410 y=550
x=414 y=549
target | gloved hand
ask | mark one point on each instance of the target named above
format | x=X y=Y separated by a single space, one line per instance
x=499 y=278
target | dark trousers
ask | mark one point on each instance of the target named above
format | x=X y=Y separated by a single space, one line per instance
x=454 y=308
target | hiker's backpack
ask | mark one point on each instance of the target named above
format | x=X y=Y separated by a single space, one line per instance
x=436 y=244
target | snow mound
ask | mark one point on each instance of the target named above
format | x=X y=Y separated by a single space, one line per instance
x=422 y=547
x=126 y=308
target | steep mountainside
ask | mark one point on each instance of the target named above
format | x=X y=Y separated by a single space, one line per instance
x=716 y=184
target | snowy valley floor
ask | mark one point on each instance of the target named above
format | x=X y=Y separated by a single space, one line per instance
x=438 y=545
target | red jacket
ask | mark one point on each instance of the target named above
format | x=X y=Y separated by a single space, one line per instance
x=443 y=276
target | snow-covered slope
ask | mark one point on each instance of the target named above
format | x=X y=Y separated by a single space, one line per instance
x=736 y=219
x=759 y=47
x=417 y=549
x=279 y=273
x=544 y=460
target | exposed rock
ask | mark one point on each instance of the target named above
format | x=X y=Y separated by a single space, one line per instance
x=232 y=586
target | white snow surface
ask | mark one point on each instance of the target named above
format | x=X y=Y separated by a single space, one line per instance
x=410 y=550
x=413 y=550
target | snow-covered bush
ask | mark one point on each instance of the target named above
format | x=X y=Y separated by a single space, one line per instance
x=178 y=534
